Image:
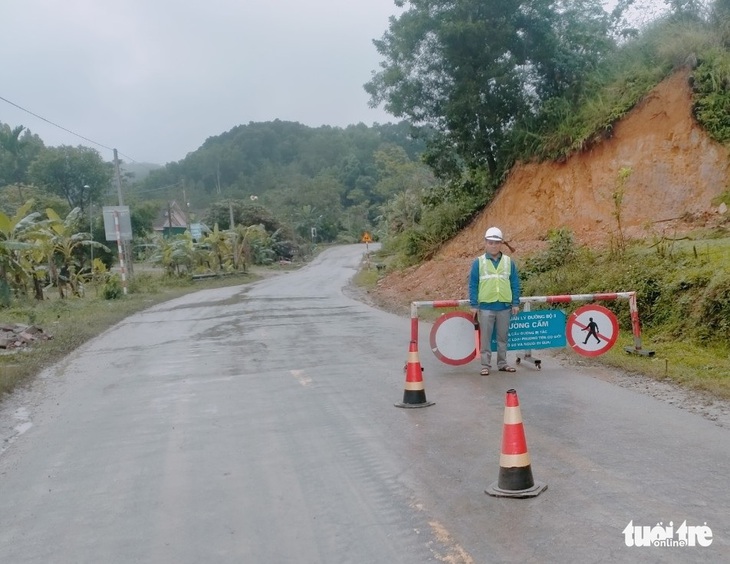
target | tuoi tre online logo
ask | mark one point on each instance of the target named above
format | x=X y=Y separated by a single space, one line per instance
x=659 y=535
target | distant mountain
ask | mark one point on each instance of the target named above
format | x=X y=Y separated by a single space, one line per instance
x=139 y=170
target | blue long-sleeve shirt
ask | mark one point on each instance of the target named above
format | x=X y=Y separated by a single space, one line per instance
x=514 y=282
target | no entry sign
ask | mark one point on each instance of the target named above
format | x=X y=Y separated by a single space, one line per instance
x=592 y=330
x=452 y=338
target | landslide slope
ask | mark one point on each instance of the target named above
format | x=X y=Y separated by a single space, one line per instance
x=676 y=171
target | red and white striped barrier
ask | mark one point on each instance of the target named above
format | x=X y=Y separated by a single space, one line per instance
x=630 y=296
x=120 y=252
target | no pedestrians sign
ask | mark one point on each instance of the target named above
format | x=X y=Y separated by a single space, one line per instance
x=592 y=330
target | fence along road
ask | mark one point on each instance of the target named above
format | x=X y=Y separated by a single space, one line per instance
x=257 y=424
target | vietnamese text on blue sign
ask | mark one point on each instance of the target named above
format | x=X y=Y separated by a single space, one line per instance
x=535 y=330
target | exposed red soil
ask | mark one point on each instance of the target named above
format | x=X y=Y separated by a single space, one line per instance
x=676 y=171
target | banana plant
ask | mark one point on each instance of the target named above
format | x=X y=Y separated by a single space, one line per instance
x=173 y=253
x=253 y=245
x=219 y=245
x=66 y=242
x=15 y=240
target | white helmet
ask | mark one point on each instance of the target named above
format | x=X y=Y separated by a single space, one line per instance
x=494 y=234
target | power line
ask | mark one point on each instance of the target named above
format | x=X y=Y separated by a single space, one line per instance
x=67 y=130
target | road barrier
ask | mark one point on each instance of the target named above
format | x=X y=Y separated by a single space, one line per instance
x=561 y=299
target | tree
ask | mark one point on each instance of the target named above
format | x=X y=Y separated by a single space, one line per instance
x=143 y=215
x=17 y=150
x=403 y=211
x=77 y=174
x=244 y=213
x=720 y=18
x=472 y=69
x=398 y=173
x=14 y=196
x=691 y=9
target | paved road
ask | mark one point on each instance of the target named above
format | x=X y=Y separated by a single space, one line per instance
x=256 y=424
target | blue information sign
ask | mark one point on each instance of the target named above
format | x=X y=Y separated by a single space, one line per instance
x=535 y=330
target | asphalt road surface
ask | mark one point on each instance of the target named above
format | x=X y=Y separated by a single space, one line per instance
x=256 y=424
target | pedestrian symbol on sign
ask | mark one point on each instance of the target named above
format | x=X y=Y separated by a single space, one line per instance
x=592 y=329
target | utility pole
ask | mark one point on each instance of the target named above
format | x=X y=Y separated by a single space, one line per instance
x=127 y=246
x=119 y=178
x=169 y=219
x=91 y=226
x=233 y=234
x=187 y=209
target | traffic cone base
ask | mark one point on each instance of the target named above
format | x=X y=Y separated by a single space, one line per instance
x=515 y=470
x=414 y=395
x=494 y=489
x=415 y=398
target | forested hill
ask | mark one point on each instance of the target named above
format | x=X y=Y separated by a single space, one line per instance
x=339 y=175
x=258 y=158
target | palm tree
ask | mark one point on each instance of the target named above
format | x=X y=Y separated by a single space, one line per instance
x=12 y=146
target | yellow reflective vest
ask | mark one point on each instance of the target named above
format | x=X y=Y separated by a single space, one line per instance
x=494 y=283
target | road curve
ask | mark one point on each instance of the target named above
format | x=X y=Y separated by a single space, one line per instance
x=257 y=424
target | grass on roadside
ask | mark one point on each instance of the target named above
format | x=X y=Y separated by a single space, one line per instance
x=73 y=321
x=684 y=363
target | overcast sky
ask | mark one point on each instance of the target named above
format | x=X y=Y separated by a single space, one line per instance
x=155 y=78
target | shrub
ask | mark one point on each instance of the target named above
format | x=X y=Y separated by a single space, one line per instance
x=714 y=311
x=112 y=289
x=711 y=97
x=561 y=251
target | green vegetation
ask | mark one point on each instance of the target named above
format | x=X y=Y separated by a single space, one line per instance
x=41 y=254
x=330 y=180
x=559 y=88
x=712 y=94
x=683 y=292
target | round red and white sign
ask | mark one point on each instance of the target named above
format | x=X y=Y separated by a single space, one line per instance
x=592 y=330
x=452 y=338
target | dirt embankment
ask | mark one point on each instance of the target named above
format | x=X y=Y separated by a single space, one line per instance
x=672 y=171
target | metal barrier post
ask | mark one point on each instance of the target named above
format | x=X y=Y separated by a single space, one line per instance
x=528 y=353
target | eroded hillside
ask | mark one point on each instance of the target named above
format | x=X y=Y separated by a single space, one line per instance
x=672 y=171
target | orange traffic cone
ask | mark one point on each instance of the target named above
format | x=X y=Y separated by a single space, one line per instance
x=515 y=471
x=414 y=394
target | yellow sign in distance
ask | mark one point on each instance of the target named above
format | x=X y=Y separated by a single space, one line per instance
x=366 y=238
